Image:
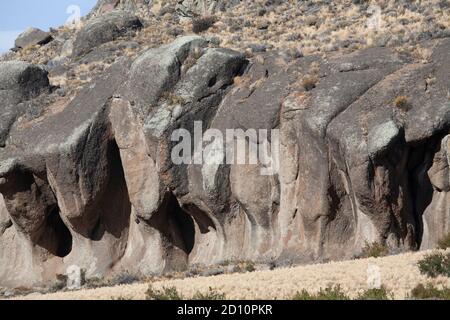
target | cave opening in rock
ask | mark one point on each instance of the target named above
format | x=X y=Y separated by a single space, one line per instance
x=44 y=225
x=63 y=244
x=175 y=224
x=420 y=161
x=114 y=207
x=56 y=237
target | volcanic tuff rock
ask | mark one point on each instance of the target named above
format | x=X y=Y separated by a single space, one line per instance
x=90 y=181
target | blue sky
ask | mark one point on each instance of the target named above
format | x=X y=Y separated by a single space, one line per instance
x=18 y=15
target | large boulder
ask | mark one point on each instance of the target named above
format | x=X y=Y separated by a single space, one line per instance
x=33 y=36
x=19 y=81
x=23 y=80
x=103 y=29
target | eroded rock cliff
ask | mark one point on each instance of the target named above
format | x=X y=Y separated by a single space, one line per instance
x=364 y=156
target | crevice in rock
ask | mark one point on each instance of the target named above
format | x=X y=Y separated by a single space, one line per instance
x=212 y=82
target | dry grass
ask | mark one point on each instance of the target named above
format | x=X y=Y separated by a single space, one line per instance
x=202 y=24
x=399 y=276
x=402 y=103
x=307 y=27
x=309 y=83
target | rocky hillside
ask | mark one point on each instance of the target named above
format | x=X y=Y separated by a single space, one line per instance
x=88 y=115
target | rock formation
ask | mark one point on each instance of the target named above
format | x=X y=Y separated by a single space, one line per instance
x=364 y=156
x=32 y=36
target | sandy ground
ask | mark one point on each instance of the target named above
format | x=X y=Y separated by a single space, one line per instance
x=397 y=273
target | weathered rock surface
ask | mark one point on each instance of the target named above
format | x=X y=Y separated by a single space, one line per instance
x=33 y=36
x=95 y=185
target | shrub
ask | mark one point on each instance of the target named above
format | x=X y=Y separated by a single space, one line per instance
x=329 y=293
x=402 y=103
x=375 y=294
x=122 y=298
x=429 y=292
x=173 y=99
x=212 y=294
x=435 y=264
x=163 y=294
x=202 y=24
x=124 y=278
x=60 y=283
x=444 y=242
x=172 y=293
x=249 y=266
x=96 y=282
x=374 y=250
x=309 y=83
x=303 y=295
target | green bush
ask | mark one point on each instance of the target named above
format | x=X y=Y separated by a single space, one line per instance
x=249 y=266
x=444 y=242
x=329 y=293
x=435 y=264
x=429 y=292
x=172 y=293
x=96 y=282
x=376 y=294
x=212 y=294
x=303 y=295
x=163 y=294
x=121 y=298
